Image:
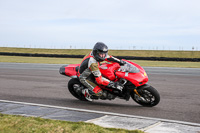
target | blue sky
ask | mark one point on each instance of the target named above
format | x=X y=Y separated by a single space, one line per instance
x=127 y=24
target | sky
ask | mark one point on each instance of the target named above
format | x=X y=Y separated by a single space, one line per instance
x=120 y=24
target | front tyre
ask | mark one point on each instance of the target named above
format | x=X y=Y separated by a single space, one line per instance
x=75 y=88
x=149 y=96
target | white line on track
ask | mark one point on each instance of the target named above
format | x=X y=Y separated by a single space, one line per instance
x=102 y=112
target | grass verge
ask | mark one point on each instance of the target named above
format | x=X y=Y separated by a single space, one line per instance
x=20 y=124
x=48 y=60
x=137 y=53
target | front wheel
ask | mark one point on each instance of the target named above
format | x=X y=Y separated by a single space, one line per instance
x=149 y=97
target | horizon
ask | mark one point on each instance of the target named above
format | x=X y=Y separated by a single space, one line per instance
x=109 y=49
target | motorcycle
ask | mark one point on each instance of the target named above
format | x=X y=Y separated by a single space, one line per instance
x=131 y=76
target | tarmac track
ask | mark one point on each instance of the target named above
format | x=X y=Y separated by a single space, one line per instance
x=42 y=84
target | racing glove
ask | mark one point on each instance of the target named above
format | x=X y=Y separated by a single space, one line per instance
x=115 y=85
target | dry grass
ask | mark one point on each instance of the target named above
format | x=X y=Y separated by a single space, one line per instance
x=142 y=53
x=138 y=53
x=45 y=60
x=48 y=60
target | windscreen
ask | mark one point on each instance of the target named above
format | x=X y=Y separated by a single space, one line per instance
x=129 y=68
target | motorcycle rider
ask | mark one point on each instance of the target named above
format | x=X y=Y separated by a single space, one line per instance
x=89 y=71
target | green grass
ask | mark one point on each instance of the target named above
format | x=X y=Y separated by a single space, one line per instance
x=142 y=53
x=138 y=53
x=48 y=60
x=45 y=60
x=20 y=124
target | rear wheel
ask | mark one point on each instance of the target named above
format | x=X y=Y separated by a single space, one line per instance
x=75 y=88
x=148 y=97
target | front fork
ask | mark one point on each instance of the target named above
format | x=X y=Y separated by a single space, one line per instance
x=140 y=89
x=136 y=92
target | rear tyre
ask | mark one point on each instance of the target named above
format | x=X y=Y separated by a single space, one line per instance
x=149 y=97
x=75 y=88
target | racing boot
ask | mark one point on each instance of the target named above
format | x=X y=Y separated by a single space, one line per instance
x=87 y=94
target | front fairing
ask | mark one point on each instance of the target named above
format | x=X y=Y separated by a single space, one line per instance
x=130 y=71
x=133 y=73
x=137 y=79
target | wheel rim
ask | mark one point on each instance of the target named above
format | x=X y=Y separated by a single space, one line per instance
x=146 y=97
x=76 y=88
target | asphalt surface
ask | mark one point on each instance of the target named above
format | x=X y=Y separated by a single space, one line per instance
x=42 y=84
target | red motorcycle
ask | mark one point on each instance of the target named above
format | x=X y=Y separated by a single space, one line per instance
x=132 y=77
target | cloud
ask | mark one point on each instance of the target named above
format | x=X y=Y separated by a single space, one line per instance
x=88 y=21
